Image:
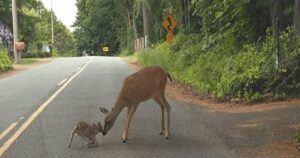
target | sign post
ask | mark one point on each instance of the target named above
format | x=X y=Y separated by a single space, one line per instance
x=19 y=46
x=105 y=50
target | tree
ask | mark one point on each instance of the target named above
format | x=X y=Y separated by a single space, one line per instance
x=297 y=17
x=100 y=23
x=276 y=15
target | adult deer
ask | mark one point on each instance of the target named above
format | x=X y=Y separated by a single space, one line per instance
x=150 y=82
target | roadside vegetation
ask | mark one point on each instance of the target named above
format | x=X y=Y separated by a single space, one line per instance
x=247 y=73
x=5 y=62
x=35 y=30
x=28 y=61
x=224 y=49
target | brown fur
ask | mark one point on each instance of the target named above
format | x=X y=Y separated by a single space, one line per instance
x=150 y=82
x=87 y=132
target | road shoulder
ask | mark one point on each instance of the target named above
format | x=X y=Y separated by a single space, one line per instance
x=18 y=68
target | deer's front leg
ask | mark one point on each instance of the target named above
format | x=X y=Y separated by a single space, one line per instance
x=130 y=113
x=93 y=142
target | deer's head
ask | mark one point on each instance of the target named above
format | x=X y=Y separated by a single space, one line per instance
x=109 y=119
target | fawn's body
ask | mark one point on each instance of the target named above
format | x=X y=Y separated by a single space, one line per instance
x=87 y=132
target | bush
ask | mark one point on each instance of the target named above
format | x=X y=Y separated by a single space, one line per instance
x=5 y=62
x=212 y=65
x=297 y=137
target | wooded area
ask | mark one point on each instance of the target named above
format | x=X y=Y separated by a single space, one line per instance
x=34 y=22
x=238 y=50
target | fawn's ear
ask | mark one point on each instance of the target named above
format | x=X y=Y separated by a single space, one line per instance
x=105 y=111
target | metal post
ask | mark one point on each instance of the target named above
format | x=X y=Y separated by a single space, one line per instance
x=15 y=30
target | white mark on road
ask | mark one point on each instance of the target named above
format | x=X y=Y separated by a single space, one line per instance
x=8 y=129
x=33 y=116
x=78 y=68
x=62 y=82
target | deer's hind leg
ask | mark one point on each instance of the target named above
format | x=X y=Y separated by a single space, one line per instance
x=162 y=99
x=168 y=110
x=157 y=100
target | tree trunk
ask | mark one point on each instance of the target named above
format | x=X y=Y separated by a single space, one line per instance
x=131 y=18
x=297 y=17
x=135 y=32
x=186 y=19
x=276 y=15
x=146 y=25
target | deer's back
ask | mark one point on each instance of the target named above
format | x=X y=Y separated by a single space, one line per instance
x=143 y=84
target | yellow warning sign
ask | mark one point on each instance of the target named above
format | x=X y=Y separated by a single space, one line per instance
x=169 y=23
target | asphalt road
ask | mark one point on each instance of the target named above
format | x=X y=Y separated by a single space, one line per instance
x=195 y=131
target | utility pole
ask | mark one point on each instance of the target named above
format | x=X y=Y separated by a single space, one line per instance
x=15 y=30
x=52 y=26
x=52 y=31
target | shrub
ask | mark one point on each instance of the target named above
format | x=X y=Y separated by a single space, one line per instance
x=215 y=66
x=297 y=137
x=5 y=62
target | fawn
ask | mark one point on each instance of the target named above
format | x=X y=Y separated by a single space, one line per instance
x=87 y=132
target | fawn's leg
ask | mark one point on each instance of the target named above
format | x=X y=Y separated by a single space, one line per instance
x=94 y=142
x=71 y=138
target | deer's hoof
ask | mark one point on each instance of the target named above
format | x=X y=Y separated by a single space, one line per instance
x=161 y=132
x=124 y=141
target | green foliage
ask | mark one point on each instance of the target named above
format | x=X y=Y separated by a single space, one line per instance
x=5 y=62
x=28 y=61
x=231 y=73
x=100 y=23
x=297 y=137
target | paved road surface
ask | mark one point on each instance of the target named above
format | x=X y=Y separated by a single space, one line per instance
x=195 y=131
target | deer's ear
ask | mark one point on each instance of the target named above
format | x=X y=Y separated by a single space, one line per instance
x=105 y=111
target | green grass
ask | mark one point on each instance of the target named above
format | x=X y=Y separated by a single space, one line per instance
x=297 y=137
x=28 y=61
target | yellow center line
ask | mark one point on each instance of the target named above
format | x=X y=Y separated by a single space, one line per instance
x=26 y=124
x=8 y=129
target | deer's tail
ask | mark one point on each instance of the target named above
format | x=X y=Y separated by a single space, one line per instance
x=170 y=78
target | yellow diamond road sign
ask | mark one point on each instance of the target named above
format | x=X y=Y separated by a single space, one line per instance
x=105 y=49
x=169 y=23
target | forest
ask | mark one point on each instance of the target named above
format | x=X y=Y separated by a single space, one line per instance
x=231 y=50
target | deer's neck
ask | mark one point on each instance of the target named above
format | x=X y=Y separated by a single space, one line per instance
x=119 y=106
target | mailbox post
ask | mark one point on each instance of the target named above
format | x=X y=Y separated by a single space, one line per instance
x=19 y=48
